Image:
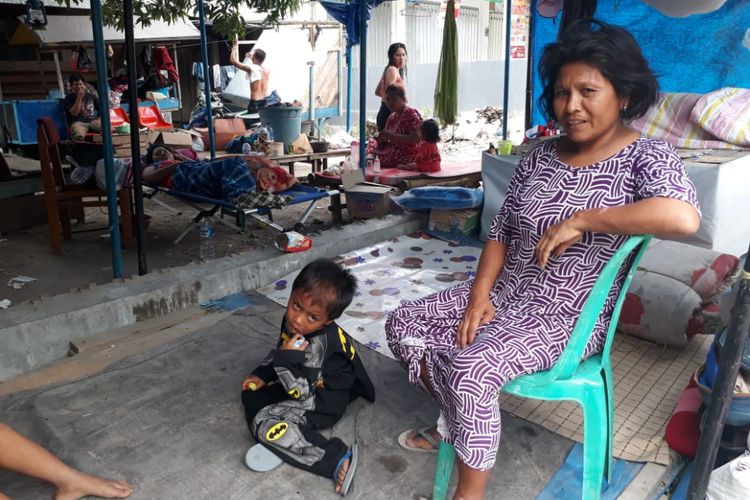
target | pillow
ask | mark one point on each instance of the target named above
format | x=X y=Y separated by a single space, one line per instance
x=725 y=113
x=669 y=120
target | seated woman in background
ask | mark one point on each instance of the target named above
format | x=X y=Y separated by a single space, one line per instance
x=397 y=144
x=221 y=179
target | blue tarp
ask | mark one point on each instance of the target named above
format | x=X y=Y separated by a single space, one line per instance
x=698 y=53
x=348 y=15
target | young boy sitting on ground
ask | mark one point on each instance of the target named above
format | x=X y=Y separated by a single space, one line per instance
x=306 y=382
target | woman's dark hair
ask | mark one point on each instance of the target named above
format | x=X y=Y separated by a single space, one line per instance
x=331 y=285
x=394 y=90
x=391 y=54
x=150 y=152
x=430 y=131
x=610 y=49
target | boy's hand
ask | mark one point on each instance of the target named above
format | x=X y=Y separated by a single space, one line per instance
x=252 y=383
x=296 y=343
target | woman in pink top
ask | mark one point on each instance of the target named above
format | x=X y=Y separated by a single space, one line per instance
x=394 y=74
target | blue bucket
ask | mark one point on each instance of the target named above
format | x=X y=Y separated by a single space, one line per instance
x=286 y=122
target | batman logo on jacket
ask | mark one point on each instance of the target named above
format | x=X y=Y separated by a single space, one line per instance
x=276 y=431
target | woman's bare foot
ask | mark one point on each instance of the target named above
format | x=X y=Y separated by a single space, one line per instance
x=342 y=476
x=85 y=485
x=414 y=440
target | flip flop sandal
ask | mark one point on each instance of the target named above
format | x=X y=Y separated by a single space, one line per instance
x=352 y=455
x=421 y=433
x=261 y=459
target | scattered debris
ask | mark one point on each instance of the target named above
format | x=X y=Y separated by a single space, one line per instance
x=5 y=303
x=19 y=281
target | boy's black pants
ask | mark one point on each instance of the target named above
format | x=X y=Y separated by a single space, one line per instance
x=289 y=428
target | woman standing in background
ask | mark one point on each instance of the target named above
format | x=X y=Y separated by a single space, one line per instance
x=393 y=74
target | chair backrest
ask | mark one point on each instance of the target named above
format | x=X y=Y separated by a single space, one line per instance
x=573 y=353
x=48 y=140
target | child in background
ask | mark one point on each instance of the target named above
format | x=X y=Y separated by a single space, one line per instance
x=427 y=158
x=306 y=382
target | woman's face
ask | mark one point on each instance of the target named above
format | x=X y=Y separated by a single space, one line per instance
x=395 y=103
x=586 y=104
x=399 y=58
x=162 y=154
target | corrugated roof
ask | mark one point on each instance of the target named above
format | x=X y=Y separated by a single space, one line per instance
x=71 y=30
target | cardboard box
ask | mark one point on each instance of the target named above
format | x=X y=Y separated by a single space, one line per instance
x=456 y=226
x=180 y=138
x=225 y=129
x=365 y=200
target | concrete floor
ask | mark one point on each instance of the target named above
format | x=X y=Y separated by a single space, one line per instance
x=170 y=420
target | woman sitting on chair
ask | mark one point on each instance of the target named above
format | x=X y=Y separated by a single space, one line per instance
x=571 y=203
x=221 y=179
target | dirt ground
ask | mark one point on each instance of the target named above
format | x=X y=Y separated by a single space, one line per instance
x=87 y=258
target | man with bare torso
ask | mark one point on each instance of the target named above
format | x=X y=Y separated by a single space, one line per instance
x=258 y=76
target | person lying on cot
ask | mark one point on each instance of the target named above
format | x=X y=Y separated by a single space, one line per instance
x=220 y=179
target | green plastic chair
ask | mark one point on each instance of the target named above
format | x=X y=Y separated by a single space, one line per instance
x=588 y=382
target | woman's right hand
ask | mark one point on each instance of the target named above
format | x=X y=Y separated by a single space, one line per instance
x=480 y=311
x=252 y=383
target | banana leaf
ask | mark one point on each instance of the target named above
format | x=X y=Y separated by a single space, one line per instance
x=446 y=86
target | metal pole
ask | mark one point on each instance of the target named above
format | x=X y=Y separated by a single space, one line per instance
x=362 y=81
x=135 y=140
x=506 y=76
x=311 y=98
x=103 y=89
x=348 y=88
x=723 y=390
x=59 y=73
x=206 y=79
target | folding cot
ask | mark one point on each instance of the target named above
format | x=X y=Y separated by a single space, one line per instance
x=207 y=207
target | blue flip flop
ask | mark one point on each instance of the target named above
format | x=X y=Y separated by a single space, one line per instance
x=352 y=455
x=261 y=459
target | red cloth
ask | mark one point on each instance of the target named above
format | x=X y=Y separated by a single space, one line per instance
x=684 y=427
x=392 y=154
x=162 y=61
x=282 y=178
x=427 y=157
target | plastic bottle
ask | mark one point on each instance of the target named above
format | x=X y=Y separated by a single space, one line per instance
x=376 y=165
x=246 y=148
x=207 y=249
x=354 y=152
x=270 y=133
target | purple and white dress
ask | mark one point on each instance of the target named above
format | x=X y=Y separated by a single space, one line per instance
x=535 y=308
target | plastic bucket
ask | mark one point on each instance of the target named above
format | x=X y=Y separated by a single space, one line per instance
x=286 y=122
x=277 y=148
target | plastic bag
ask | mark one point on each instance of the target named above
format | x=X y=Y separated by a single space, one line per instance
x=447 y=198
x=120 y=168
x=731 y=481
x=237 y=90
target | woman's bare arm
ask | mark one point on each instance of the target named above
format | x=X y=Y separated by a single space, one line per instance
x=667 y=217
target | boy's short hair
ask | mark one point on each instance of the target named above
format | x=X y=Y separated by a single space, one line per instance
x=75 y=77
x=430 y=131
x=332 y=286
x=260 y=55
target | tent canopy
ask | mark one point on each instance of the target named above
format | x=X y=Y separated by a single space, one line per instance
x=64 y=31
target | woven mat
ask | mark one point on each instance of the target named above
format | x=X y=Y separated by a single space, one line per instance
x=649 y=378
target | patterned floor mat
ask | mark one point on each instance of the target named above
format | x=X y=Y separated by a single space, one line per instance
x=649 y=378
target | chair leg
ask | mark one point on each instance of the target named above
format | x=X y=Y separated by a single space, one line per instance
x=67 y=233
x=126 y=217
x=609 y=387
x=55 y=228
x=443 y=470
x=594 y=442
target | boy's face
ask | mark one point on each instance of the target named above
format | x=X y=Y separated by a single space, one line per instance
x=266 y=178
x=303 y=315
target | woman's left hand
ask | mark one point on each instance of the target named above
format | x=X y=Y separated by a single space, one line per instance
x=556 y=239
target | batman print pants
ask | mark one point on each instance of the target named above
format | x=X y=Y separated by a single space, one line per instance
x=290 y=429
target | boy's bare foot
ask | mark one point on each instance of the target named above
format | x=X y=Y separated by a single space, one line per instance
x=342 y=475
x=414 y=440
x=85 y=485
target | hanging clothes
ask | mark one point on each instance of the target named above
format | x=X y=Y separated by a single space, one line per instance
x=161 y=60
